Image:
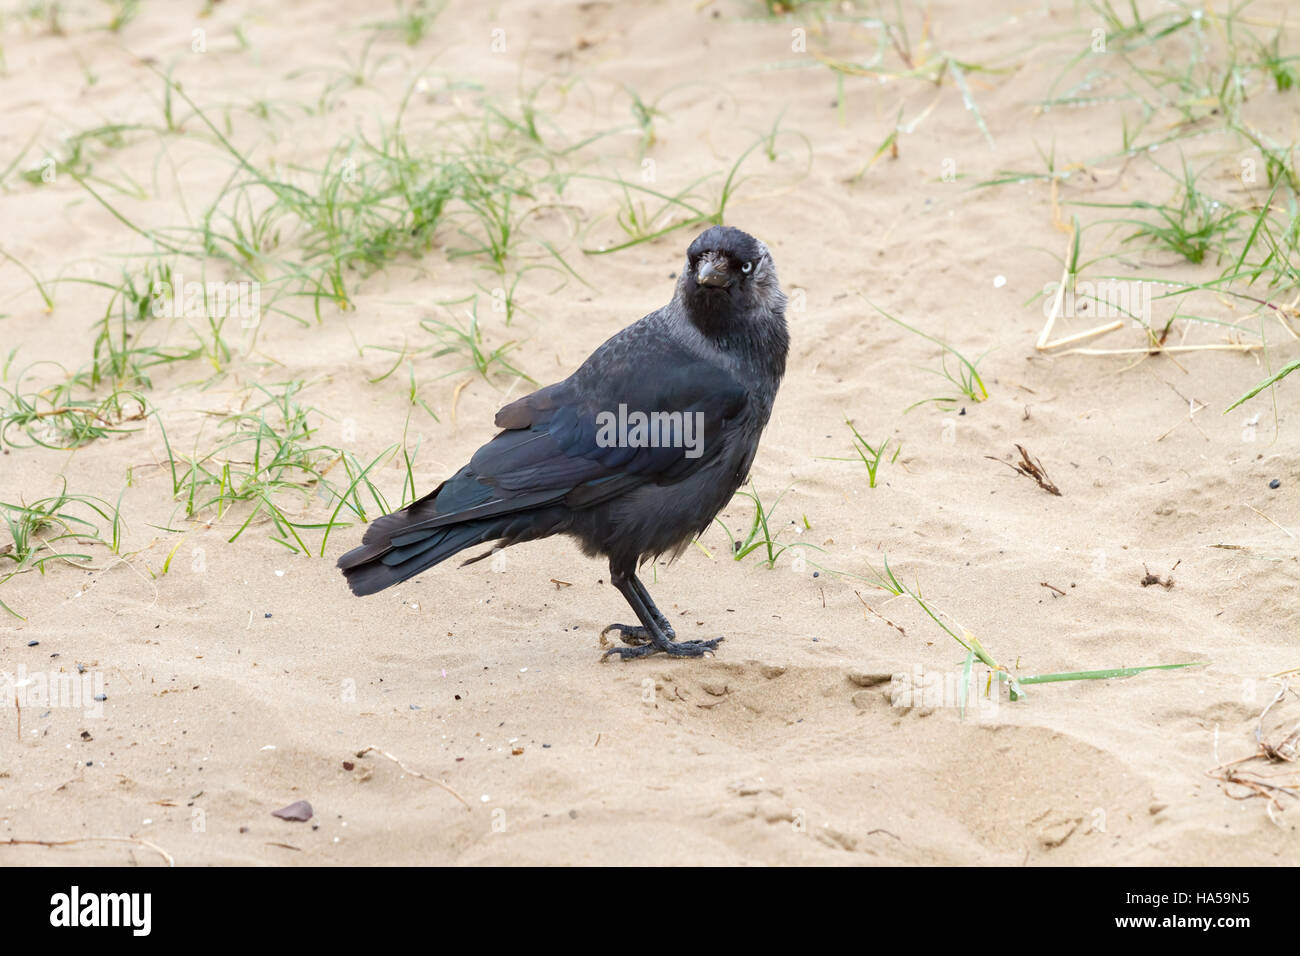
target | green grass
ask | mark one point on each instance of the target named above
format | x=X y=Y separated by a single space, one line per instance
x=79 y=152
x=1192 y=225
x=43 y=288
x=897 y=55
x=760 y=536
x=964 y=374
x=870 y=456
x=1270 y=381
x=465 y=341
x=976 y=651
x=53 y=529
x=267 y=467
x=1191 y=80
x=312 y=236
x=412 y=20
x=108 y=392
x=645 y=213
x=122 y=13
x=54 y=418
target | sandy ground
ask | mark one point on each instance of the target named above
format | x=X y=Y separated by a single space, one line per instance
x=247 y=677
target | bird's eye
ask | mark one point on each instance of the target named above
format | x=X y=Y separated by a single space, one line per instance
x=747 y=268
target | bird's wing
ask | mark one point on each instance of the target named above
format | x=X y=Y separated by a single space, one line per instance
x=553 y=448
x=569 y=433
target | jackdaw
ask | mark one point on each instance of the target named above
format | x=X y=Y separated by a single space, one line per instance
x=633 y=454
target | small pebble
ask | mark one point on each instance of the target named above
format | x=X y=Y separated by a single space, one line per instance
x=1275 y=483
x=33 y=643
x=298 y=812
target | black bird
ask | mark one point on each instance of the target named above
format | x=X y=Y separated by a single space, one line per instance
x=575 y=458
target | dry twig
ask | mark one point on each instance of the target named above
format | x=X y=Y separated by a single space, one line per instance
x=95 y=839
x=1284 y=752
x=879 y=615
x=1030 y=468
x=414 y=773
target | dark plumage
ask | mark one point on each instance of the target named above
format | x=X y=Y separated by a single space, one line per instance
x=716 y=352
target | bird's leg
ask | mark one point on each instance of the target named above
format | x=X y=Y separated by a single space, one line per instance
x=655 y=634
x=635 y=634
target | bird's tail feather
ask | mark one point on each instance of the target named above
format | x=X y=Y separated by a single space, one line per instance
x=378 y=564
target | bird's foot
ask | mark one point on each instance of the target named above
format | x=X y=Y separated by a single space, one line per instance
x=671 y=648
x=635 y=635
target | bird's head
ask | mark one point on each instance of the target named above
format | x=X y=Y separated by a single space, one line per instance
x=729 y=278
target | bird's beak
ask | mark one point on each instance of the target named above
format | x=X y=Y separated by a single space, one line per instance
x=712 y=273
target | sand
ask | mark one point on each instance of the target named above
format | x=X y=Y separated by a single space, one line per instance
x=246 y=677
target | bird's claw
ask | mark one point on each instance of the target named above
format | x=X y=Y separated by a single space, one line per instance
x=634 y=635
x=671 y=648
